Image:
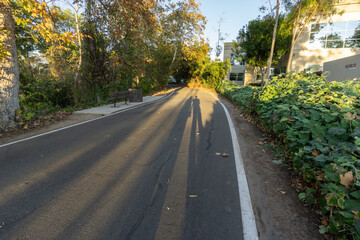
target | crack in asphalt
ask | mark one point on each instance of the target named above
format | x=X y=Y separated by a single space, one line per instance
x=208 y=140
x=157 y=191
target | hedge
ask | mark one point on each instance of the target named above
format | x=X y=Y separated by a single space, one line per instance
x=319 y=124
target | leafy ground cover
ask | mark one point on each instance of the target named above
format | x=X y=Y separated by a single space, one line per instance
x=317 y=124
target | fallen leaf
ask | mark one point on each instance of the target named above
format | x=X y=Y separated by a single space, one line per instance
x=193 y=196
x=282 y=192
x=324 y=221
x=260 y=143
x=225 y=155
x=321 y=176
x=347 y=179
x=218 y=154
x=168 y=208
x=315 y=153
x=263 y=151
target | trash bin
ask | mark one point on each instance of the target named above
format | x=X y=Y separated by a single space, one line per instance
x=135 y=95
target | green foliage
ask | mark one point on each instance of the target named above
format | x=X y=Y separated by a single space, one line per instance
x=111 y=46
x=254 y=42
x=40 y=96
x=319 y=122
x=241 y=95
x=214 y=73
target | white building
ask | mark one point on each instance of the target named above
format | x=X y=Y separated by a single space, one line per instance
x=328 y=39
x=237 y=71
x=324 y=40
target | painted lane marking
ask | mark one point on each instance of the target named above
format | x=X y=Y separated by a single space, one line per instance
x=91 y=120
x=247 y=213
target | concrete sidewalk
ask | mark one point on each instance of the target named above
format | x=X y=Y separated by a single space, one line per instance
x=110 y=109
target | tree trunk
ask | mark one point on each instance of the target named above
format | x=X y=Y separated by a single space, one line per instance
x=76 y=80
x=288 y=66
x=273 y=42
x=9 y=71
x=262 y=70
x=174 y=57
x=294 y=38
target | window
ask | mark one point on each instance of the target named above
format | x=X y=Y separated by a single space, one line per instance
x=335 y=35
x=352 y=37
x=232 y=76
x=236 y=76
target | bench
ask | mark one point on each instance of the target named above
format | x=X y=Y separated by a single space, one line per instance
x=119 y=95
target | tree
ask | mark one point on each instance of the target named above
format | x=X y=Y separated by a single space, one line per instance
x=9 y=72
x=302 y=13
x=273 y=41
x=191 y=58
x=214 y=72
x=183 y=26
x=76 y=8
x=38 y=18
x=221 y=38
x=254 y=43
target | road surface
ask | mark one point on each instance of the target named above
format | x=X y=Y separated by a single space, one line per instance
x=147 y=173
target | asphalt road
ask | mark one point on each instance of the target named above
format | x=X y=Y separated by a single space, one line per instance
x=147 y=173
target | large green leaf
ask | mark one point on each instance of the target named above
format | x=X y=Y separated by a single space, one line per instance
x=352 y=205
x=337 y=130
x=318 y=132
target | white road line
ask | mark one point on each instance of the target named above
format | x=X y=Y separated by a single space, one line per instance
x=77 y=124
x=247 y=213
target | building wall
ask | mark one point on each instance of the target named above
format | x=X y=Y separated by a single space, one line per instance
x=235 y=69
x=343 y=69
x=306 y=54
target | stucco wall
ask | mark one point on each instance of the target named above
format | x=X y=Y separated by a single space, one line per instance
x=227 y=55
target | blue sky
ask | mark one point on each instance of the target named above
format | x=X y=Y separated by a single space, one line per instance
x=235 y=14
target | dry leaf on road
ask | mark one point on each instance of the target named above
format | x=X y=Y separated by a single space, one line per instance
x=282 y=192
x=225 y=155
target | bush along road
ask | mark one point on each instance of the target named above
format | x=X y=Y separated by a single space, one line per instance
x=317 y=127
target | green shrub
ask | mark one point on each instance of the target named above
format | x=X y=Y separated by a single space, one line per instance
x=319 y=122
x=214 y=72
